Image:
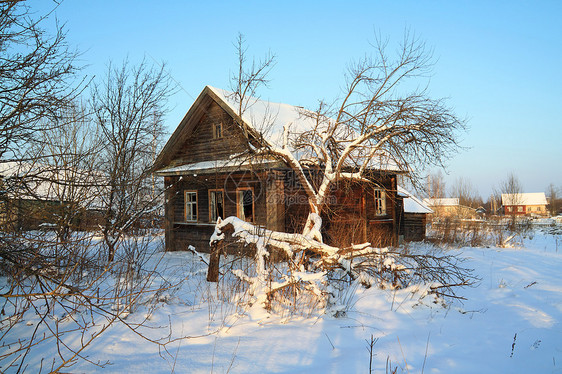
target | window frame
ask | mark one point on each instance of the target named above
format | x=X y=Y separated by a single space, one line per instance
x=380 y=201
x=238 y=206
x=211 y=210
x=218 y=130
x=185 y=204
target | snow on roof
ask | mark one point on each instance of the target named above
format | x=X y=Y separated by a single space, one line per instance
x=533 y=198
x=32 y=180
x=269 y=119
x=22 y=177
x=206 y=166
x=412 y=204
x=448 y=201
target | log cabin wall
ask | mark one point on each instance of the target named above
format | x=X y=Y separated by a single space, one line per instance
x=202 y=144
x=268 y=208
x=414 y=226
x=280 y=204
x=349 y=217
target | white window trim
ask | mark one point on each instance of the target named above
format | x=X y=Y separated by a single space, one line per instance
x=190 y=203
x=380 y=201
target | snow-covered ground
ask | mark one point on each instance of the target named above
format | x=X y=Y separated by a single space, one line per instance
x=510 y=323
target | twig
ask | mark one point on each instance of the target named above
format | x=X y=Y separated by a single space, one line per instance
x=513 y=345
x=333 y=348
x=425 y=356
x=370 y=348
x=403 y=356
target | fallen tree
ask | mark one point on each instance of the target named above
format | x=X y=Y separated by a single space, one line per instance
x=315 y=268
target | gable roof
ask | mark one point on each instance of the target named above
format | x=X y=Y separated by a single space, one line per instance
x=262 y=121
x=533 y=198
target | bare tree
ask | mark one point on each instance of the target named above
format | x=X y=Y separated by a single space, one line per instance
x=128 y=107
x=436 y=187
x=60 y=284
x=553 y=194
x=468 y=197
x=511 y=192
x=37 y=77
x=62 y=162
x=248 y=79
x=63 y=283
x=377 y=123
x=464 y=190
x=380 y=121
x=245 y=83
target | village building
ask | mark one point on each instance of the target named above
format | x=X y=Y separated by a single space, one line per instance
x=211 y=171
x=450 y=208
x=36 y=196
x=525 y=204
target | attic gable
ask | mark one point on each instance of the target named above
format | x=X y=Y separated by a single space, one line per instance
x=196 y=139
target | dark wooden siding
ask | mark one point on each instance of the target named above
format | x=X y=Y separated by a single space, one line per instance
x=350 y=215
x=180 y=234
x=201 y=146
x=414 y=226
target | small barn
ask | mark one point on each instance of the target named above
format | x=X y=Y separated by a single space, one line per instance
x=210 y=171
x=414 y=217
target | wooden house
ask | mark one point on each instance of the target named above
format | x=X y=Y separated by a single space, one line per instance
x=525 y=204
x=209 y=172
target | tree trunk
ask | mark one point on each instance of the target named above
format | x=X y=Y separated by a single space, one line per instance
x=214 y=262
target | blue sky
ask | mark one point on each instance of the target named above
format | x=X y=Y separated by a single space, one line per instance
x=499 y=63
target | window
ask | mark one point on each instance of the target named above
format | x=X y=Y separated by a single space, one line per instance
x=191 y=206
x=520 y=209
x=245 y=204
x=380 y=202
x=509 y=209
x=216 y=205
x=217 y=131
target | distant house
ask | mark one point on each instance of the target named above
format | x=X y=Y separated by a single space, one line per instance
x=525 y=204
x=414 y=219
x=35 y=195
x=210 y=171
x=449 y=208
